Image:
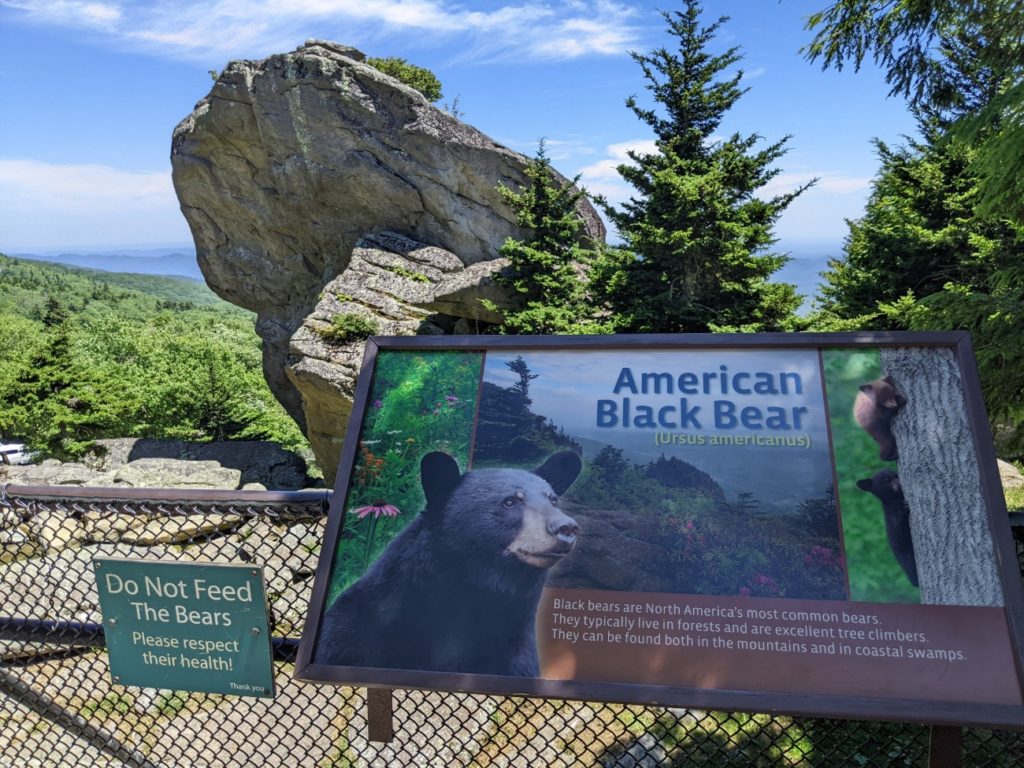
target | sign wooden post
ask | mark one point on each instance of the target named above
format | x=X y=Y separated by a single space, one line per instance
x=944 y=745
x=380 y=714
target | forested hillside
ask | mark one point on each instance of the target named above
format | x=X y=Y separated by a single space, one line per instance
x=86 y=354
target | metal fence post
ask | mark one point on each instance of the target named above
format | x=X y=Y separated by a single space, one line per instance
x=944 y=743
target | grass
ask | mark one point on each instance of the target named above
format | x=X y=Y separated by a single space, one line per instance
x=112 y=703
x=1014 y=499
x=171 y=703
x=1015 y=496
x=409 y=274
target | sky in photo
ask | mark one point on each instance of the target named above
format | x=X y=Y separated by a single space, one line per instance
x=91 y=92
x=569 y=386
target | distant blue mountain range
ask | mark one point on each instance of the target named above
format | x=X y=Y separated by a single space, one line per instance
x=143 y=261
x=803 y=270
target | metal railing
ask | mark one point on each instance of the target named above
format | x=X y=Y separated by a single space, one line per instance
x=58 y=706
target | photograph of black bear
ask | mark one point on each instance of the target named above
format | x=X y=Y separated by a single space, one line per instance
x=874 y=408
x=457 y=589
x=885 y=485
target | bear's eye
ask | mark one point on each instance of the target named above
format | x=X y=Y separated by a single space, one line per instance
x=509 y=501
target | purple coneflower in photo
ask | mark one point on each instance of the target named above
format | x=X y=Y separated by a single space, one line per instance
x=378 y=509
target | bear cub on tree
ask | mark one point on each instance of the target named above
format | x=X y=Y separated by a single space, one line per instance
x=457 y=589
x=886 y=486
x=876 y=404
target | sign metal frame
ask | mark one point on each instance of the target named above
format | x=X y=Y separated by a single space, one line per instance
x=940 y=713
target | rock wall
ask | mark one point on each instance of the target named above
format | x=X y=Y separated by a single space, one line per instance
x=289 y=161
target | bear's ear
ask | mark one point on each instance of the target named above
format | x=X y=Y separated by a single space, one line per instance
x=865 y=484
x=439 y=474
x=560 y=470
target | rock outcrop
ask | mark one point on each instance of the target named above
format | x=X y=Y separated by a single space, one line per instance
x=290 y=161
x=145 y=463
x=401 y=286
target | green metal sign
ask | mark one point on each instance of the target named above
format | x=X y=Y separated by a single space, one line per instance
x=186 y=627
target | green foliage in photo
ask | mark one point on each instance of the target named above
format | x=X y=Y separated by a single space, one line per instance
x=508 y=432
x=719 y=546
x=419 y=402
x=715 y=546
x=874 y=574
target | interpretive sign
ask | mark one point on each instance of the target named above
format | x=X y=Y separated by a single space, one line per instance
x=806 y=523
x=186 y=627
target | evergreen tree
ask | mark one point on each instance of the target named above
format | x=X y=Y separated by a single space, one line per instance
x=102 y=361
x=941 y=244
x=958 y=58
x=696 y=234
x=547 y=272
x=918 y=232
x=923 y=258
x=522 y=387
x=53 y=404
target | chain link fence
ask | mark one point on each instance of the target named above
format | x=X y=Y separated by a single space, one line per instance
x=58 y=706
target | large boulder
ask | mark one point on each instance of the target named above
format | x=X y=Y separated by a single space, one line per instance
x=289 y=161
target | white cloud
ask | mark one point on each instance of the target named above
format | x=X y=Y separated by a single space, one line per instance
x=829 y=182
x=602 y=177
x=51 y=203
x=70 y=13
x=820 y=213
x=229 y=28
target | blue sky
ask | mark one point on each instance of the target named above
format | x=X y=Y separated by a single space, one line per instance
x=90 y=91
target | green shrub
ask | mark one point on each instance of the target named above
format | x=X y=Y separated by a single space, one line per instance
x=349 y=326
x=423 y=80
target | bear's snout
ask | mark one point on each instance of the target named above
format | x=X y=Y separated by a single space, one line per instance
x=564 y=529
x=546 y=536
